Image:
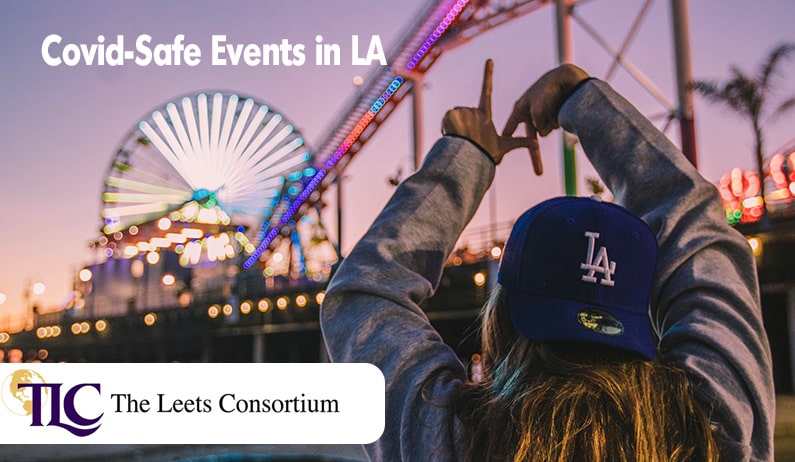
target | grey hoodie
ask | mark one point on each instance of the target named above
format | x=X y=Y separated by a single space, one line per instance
x=705 y=302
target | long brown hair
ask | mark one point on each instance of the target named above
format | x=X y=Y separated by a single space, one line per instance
x=547 y=401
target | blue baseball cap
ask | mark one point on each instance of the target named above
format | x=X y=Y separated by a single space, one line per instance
x=579 y=269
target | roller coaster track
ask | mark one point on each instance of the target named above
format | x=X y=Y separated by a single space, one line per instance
x=440 y=26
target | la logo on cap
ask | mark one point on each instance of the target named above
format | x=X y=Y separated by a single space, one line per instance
x=602 y=265
x=555 y=293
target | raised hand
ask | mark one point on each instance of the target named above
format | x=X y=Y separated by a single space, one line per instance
x=539 y=106
x=475 y=124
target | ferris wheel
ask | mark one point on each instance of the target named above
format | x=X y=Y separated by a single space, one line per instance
x=203 y=174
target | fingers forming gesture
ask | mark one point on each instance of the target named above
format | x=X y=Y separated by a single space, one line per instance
x=539 y=106
x=537 y=109
x=476 y=125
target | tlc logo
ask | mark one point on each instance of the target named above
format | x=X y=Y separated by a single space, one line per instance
x=75 y=423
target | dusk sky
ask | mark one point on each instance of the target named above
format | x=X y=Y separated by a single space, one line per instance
x=60 y=126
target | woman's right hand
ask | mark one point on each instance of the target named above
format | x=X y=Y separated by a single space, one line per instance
x=538 y=107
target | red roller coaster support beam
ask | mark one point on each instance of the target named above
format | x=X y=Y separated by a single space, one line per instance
x=684 y=77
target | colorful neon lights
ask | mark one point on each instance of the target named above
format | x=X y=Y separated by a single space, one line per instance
x=782 y=172
x=437 y=33
x=740 y=193
x=354 y=134
x=364 y=121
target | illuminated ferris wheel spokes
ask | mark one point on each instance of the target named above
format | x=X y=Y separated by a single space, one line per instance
x=222 y=152
x=133 y=196
x=234 y=163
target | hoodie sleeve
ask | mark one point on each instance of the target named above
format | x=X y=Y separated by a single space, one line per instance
x=371 y=311
x=705 y=299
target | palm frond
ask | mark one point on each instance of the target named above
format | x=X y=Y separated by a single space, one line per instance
x=709 y=89
x=770 y=67
x=748 y=96
x=782 y=109
x=738 y=74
